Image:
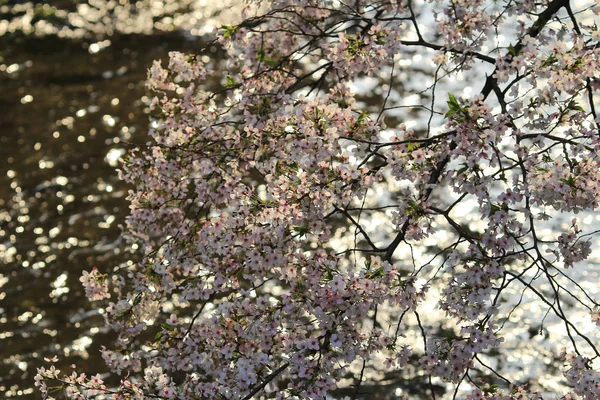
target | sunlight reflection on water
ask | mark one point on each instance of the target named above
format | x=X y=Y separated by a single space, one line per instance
x=76 y=112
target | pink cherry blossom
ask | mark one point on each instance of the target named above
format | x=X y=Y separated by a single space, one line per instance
x=327 y=207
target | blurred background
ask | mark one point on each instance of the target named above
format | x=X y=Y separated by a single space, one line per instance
x=71 y=103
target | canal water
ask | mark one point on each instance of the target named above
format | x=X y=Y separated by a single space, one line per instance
x=71 y=103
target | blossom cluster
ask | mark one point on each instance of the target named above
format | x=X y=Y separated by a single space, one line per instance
x=95 y=285
x=296 y=247
x=584 y=380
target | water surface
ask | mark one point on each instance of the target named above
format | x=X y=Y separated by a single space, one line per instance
x=70 y=106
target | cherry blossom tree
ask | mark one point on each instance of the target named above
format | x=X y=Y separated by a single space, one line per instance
x=379 y=199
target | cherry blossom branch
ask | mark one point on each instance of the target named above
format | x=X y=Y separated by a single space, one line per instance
x=266 y=381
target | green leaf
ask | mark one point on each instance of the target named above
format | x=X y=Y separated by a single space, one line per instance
x=550 y=60
x=453 y=106
x=378 y=273
x=493 y=388
x=363 y=116
x=355 y=45
x=450 y=337
x=229 y=30
x=452 y=101
x=573 y=105
x=462 y=170
x=262 y=57
x=167 y=327
x=230 y=82
x=493 y=210
x=270 y=63
x=513 y=50
x=569 y=181
x=301 y=230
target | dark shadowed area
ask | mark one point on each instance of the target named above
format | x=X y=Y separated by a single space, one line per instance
x=70 y=106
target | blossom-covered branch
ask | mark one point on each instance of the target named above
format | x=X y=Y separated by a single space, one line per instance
x=361 y=203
